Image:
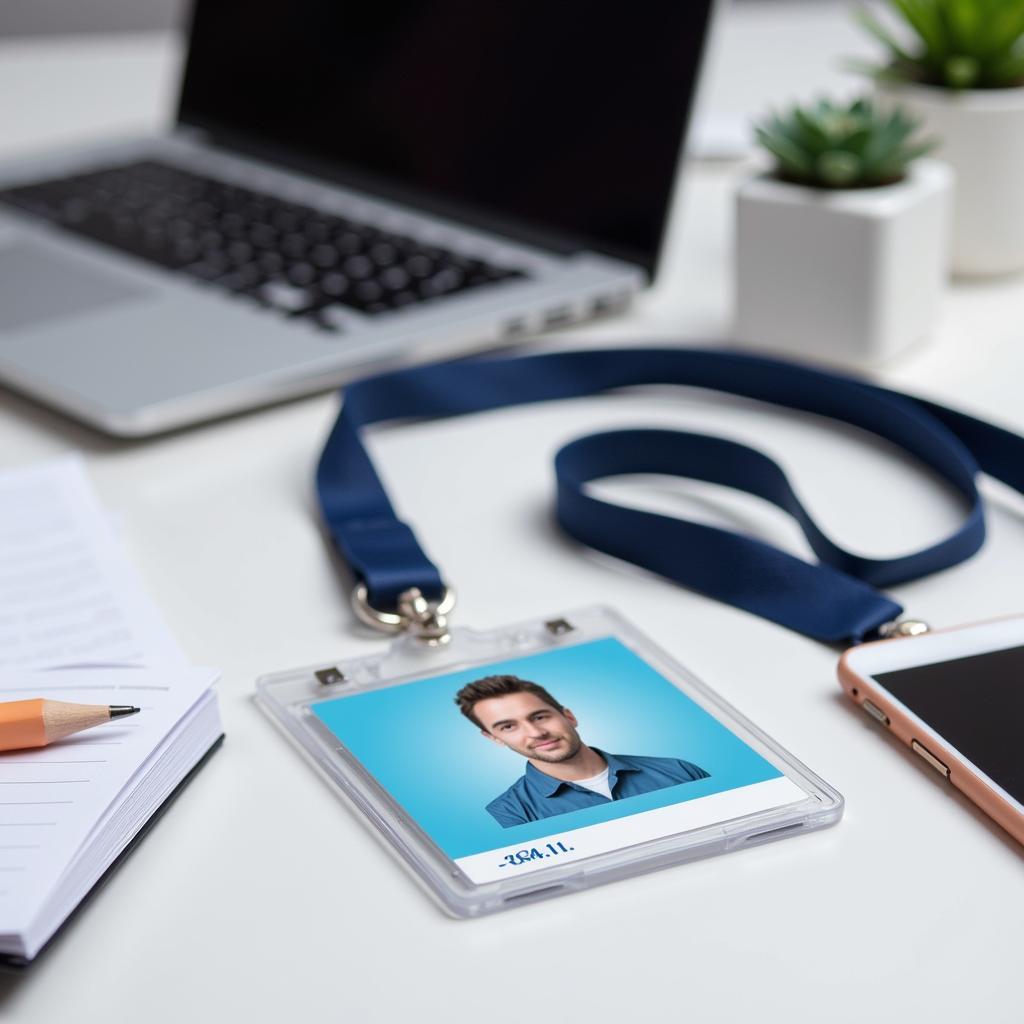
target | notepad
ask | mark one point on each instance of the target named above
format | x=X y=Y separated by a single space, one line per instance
x=76 y=624
x=68 y=810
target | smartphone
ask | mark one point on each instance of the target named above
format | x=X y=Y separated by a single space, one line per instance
x=956 y=698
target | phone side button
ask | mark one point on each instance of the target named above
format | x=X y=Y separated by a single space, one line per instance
x=875 y=712
x=920 y=748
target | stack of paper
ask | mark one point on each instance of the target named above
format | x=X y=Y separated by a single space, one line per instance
x=76 y=625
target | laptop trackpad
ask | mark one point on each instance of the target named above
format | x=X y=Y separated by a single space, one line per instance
x=38 y=285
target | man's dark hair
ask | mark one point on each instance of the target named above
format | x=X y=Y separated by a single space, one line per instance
x=498 y=686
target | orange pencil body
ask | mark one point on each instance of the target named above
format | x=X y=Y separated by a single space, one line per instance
x=22 y=724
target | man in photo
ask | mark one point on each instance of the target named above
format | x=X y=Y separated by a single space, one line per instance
x=562 y=772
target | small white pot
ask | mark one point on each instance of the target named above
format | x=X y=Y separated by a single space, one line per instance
x=847 y=276
x=981 y=136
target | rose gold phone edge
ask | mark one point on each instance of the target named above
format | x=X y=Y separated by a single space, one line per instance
x=966 y=778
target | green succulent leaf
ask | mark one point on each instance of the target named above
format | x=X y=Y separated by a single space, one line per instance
x=868 y=21
x=962 y=18
x=1002 y=29
x=925 y=18
x=1010 y=70
x=957 y=44
x=839 y=168
x=961 y=72
x=790 y=156
x=813 y=129
x=857 y=141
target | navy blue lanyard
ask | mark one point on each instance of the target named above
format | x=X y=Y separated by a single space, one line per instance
x=834 y=600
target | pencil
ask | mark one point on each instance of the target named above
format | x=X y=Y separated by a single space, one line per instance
x=35 y=723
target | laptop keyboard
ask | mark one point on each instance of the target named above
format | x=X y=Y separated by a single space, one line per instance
x=285 y=256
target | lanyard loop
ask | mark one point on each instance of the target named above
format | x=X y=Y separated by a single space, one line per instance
x=834 y=600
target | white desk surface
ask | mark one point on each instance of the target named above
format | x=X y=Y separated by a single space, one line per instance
x=912 y=905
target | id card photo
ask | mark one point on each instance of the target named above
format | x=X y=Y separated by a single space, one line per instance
x=520 y=764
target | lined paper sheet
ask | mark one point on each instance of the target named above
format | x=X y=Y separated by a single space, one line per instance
x=56 y=799
x=68 y=594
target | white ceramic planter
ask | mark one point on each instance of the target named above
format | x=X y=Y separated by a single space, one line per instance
x=850 y=276
x=981 y=135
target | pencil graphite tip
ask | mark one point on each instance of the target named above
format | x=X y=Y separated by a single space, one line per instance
x=121 y=710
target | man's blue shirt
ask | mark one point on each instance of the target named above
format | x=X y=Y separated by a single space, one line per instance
x=536 y=795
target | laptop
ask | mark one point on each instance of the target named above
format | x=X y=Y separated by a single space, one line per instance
x=347 y=186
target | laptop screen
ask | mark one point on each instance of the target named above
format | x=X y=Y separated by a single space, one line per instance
x=550 y=121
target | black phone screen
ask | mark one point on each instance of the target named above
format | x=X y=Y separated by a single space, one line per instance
x=976 y=704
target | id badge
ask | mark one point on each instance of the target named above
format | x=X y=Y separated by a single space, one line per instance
x=523 y=763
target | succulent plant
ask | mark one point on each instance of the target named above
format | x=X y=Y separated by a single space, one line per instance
x=956 y=44
x=841 y=145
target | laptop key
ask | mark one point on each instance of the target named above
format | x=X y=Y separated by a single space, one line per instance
x=286 y=297
x=240 y=252
x=348 y=242
x=324 y=256
x=294 y=244
x=358 y=267
x=263 y=236
x=270 y=262
x=420 y=266
x=334 y=284
x=332 y=318
x=368 y=292
x=383 y=254
x=395 y=278
x=302 y=274
x=246 y=278
x=204 y=271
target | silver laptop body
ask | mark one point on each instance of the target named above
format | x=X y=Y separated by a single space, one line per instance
x=134 y=349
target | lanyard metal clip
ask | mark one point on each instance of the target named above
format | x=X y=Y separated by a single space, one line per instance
x=414 y=614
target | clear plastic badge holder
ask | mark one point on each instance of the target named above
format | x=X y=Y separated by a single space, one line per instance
x=486 y=829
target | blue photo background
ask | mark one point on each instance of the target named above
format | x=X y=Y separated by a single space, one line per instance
x=443 y=773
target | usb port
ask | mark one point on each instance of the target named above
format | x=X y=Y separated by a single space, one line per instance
x=558 y=317
x=610 y=304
